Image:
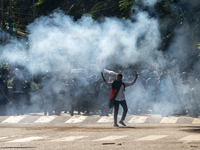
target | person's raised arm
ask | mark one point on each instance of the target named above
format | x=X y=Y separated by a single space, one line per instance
x=108 y=84
x=132 y=82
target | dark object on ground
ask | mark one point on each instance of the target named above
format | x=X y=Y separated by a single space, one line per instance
x=107 y=143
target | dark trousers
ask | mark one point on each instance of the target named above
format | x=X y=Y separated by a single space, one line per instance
x=116 y=109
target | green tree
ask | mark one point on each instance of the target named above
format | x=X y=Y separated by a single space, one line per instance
x=45 y=7
x=173 y=14
x=107 y=8
x=125 y=6
x=22 y=14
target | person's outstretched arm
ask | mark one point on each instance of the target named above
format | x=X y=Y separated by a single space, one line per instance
x=132 y=82
x=108 y=84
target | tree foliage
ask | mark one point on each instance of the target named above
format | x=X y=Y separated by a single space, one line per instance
x=22 y=14
x=126 y=6
x=105 y=8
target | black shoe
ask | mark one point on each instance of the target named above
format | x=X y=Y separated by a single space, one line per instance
x=116 y=125
x=121 y=122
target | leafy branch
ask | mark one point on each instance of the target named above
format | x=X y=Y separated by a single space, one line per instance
x=125 y=4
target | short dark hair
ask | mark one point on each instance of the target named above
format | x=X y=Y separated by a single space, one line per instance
x=120 y=75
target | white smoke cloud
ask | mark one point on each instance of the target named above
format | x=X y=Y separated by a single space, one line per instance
x=58 y=44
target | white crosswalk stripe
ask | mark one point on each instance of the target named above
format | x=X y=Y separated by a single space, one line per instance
x=169 y=120
x=105 y=119
x=152 y=138
x=191 y=138
x=138 y=119
x=76 y=119
x=29 y=139
x=45 y=119
x=13 y=119
x=70 y=138
x=196 y=121
x=111 y=138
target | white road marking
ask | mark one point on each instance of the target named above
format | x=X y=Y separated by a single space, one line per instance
x=45 y=119
x=190 y=138
x=27 y=139
x=138 y=119
x=106 y=119
x=70 y=138
x=169 y=120
x=111 y=138
x=13 y=119
x=76 y=119
x=152 y=138
x=196 y=121
x=3 y=138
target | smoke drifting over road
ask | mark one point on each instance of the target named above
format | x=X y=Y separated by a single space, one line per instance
x=58 y=44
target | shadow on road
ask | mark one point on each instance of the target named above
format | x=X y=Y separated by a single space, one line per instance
x=194 y=129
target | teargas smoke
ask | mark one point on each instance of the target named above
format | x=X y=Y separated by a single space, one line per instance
x=62 y=50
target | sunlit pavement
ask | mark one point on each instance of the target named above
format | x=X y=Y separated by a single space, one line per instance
x=99 y=137
x=36 y=131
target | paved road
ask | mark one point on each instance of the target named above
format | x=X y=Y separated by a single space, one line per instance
x=106 y=138
x=148 y=132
